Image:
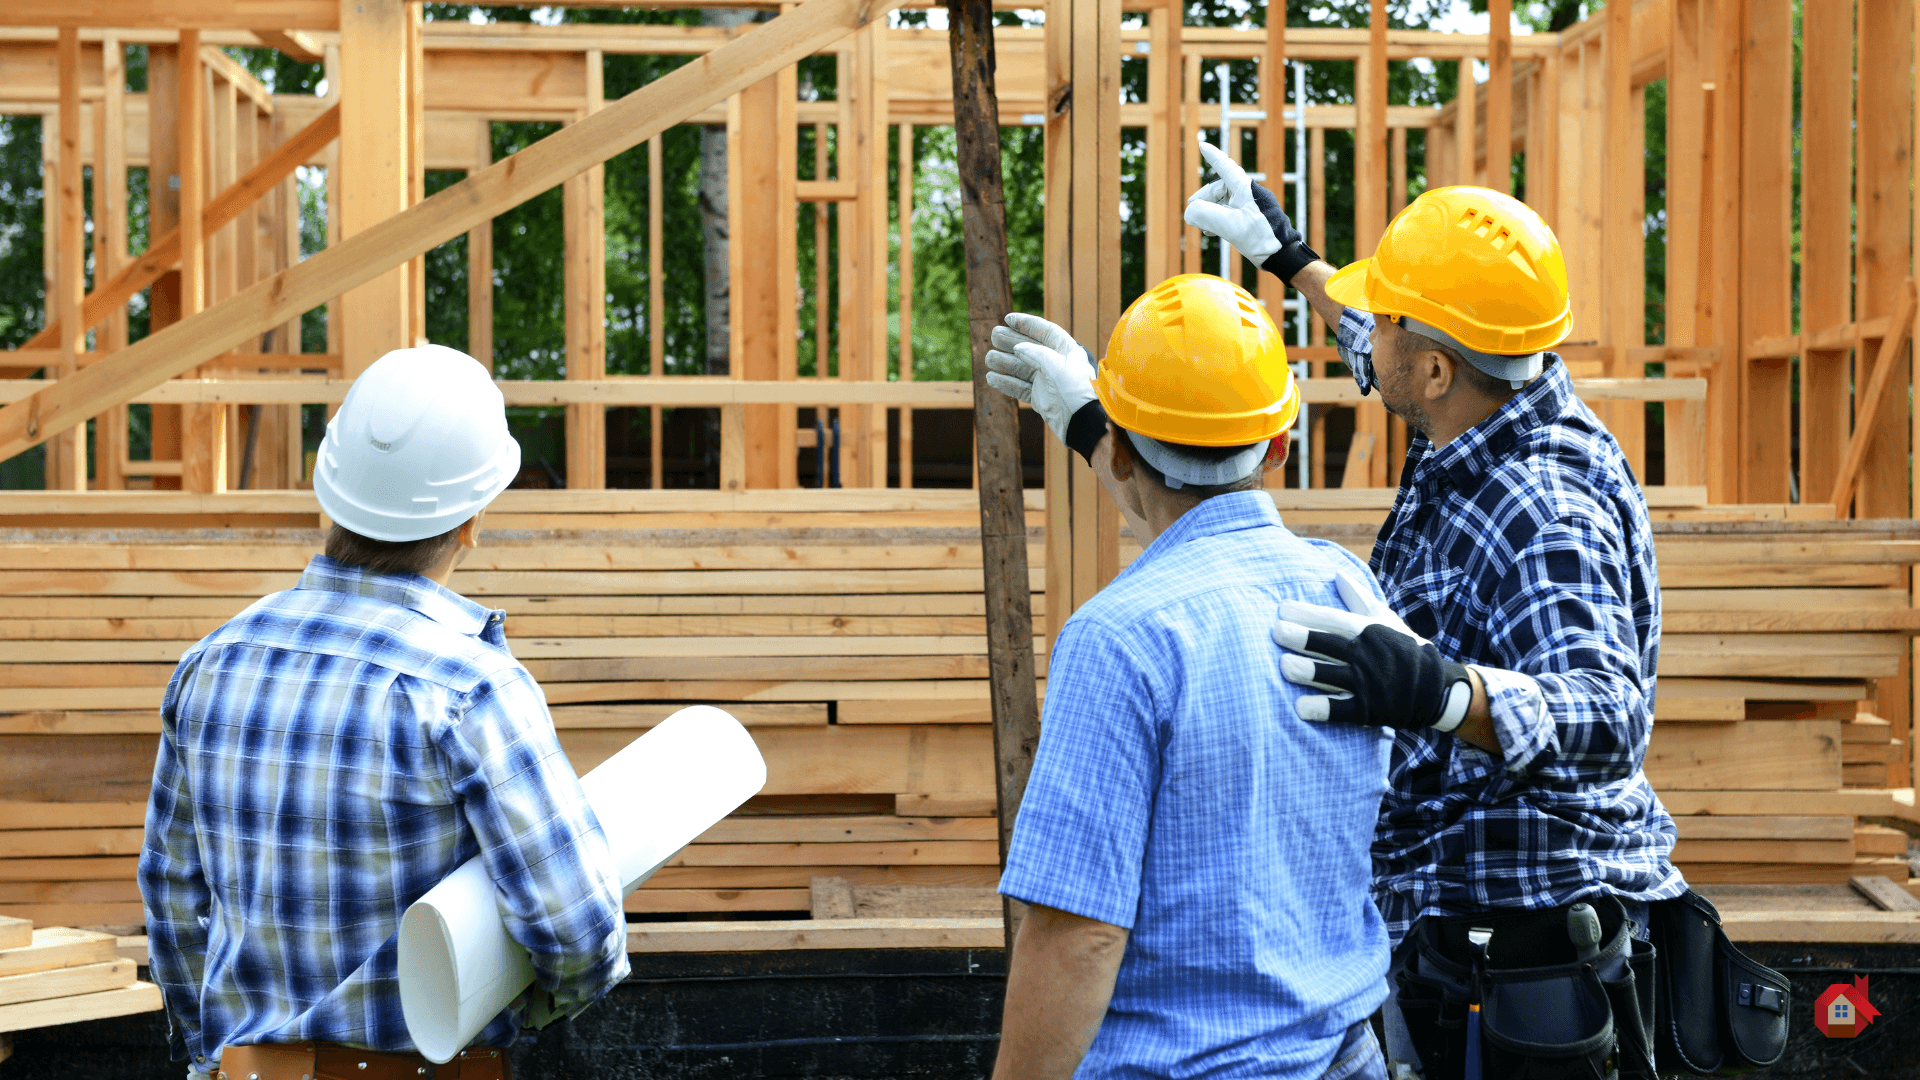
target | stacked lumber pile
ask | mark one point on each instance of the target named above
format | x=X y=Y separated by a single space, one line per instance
x=852 y=644
x=847 y=630
x=55 y=975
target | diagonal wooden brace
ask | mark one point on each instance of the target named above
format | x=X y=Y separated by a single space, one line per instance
x=668 y=100
x=1870 y=400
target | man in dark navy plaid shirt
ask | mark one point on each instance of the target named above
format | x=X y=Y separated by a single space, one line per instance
x=1518 y=553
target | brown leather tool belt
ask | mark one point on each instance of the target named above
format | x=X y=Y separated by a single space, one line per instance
x=329 y=1061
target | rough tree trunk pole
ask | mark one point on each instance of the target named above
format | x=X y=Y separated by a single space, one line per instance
x=996 y=419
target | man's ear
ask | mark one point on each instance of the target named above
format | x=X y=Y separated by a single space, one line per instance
x=1122 y=451
x=470 y=532
x=1277 y=452
x=1438 y=368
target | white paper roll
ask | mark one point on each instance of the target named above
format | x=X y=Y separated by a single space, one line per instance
x=458 y=965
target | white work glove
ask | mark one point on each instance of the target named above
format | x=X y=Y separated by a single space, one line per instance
x=1369 y=667
x=1249 y=217
x=1034 y=361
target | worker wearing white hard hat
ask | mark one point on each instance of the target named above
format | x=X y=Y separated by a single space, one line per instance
x=338 y=748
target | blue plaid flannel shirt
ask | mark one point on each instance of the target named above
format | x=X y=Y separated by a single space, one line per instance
x=327 y=757
x=1523 y=548
x=1177 y=792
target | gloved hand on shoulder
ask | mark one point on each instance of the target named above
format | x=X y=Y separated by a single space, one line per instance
x=1034 y=361
x=1249 y=217
x=1368 y=666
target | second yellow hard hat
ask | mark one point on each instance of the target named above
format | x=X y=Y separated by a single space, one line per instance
x=1478 y=265
x=1197 y=361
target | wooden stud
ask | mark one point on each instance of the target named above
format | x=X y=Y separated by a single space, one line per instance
x=1826 y=216
x=1273 y=138
x=786 y=265
x=1686 y=104
x=1622 y=287
x=1466 y=136
x=1766 y=249
x=905 y=202
x=223 y=167
x=1500 y=95
x=375 y=317
x=1191 y=252
x=1162 y=222
x=583 y=199
x=163 y=218
x=656 y=304
x=480 y=262
x=1719 y=320
x=415 y=81
x=1317 y=327
x=67 y=455
x=203 y=438
x=1057 y=268
x=1397 y=164
x=1884 y=174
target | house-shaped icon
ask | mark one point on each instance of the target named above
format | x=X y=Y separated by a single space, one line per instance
x=1842 y=1011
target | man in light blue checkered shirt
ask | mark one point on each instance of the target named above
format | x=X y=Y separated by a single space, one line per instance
x=1186 y=840
x=337 y=749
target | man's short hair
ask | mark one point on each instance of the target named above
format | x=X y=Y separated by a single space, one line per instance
x=1492 y=386
x=405 y=557
x=1253 y=481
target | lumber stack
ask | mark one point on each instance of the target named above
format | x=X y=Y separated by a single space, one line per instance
x=56 y=975
x=848 y=633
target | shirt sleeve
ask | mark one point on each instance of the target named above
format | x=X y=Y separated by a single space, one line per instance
x=1079 y=843
x=1354 y=340
x=552 y=872
x=173 y=885
x=1570 y=707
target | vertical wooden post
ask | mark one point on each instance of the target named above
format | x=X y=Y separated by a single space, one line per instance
x=583 y=201
x=1722 y=309
x=373 y=157
x=1370 y=207
x=905 y=201
x=1273 y=140
x=1826 y=231
x=67 y=451
x=203 y=443
x=1686 y=150
x=1396 y=171
x=786 y=265
x=1316 y=326
x=223 y=247
x=110 y=245
x=822 y=267
x=733 y=418
x=164 y=422
x=865 y=340
x=656 y=305
x=1766 y=247
x=480 y=262
x=1466 y=134
x=1057 y=264
x=1622 y=281
x=1500 y=95
x=1162 y=231
x=416 y=143
x=1543 y=169
x=1003 y=516
x=1885 y=236
x=1190 y=247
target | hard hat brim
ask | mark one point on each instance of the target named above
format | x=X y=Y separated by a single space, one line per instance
x=1348 y=285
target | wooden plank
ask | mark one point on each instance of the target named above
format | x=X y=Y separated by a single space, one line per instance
x=1499 y=146
x=66 y=982
x=1870 y=401
x=833 y=759
x=923 y=853
x=138 y=998
x=67 y=455
x=1766 y=246
x=785 y=936
x=361 y=258
x=15 y=933
x=1697 y=852
x=110 y=869
x=939 y=805
x=1703 y=827
x=790 y=877
x=1783 y=655
x=642 y=717
x=1883 y=893
x=830 y=898
x=1788 y=755
x=481 y=583
x=49 y=843
x=68 y=815
x=1826 y=93
x=653 y=901
x=1823 y=927
x=1880 y=840
x=812 y=829
x=1885 y=242
x=914 y=712
x=56 y=947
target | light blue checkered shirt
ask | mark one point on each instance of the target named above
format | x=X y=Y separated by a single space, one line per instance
x=1176 y=792
x=326 y=758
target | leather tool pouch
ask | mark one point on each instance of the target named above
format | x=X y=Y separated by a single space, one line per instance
x=1546 y=1014
x=1721 y=1013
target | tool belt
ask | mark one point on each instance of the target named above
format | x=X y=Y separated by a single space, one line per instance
x=1720 y=1012
x=1525 y=1005
x=328 y=1061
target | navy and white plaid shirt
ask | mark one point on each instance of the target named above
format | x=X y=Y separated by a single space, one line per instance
x=1522 y=547
x=327 y=757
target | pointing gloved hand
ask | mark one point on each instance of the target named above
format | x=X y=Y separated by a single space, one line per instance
x=1249 y=217
x=1369 y=666
x=1034 y=361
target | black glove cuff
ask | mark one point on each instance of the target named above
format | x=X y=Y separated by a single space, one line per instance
x=1290 y=260
x=1086 y=429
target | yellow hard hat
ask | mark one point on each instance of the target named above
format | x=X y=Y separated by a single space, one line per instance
x=1197 y=361
x=1473 y=263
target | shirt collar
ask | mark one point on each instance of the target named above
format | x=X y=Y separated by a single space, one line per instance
x=1213 y=517
x=1466 y=460
x=429 y=598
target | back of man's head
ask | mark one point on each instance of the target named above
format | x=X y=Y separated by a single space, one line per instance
x=1200 y=471
x=418 y=449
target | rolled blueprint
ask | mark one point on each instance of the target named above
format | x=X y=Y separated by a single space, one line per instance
x=458 y=965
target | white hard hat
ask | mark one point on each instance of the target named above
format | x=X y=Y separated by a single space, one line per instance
x=419 y=446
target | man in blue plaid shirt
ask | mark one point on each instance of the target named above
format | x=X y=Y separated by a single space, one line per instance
x=337 y=749
x=1518 y=553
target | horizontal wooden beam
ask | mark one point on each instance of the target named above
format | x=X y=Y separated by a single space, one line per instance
x=530 y=501
x=175 y=14
x=163 y=254
x=360 y=258
x=295 y=44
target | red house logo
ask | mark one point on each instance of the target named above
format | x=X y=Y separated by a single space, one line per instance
x=1842 y=1011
